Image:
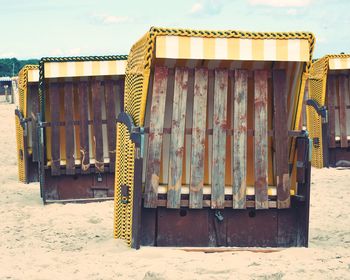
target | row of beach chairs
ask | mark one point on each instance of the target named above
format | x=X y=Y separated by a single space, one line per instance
x=196 y=134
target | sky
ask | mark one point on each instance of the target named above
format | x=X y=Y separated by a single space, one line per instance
x=38 y=28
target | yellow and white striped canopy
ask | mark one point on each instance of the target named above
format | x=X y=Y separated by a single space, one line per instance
x=84 y=68
x=339 y=63
x=33 y=75
x=182 y=47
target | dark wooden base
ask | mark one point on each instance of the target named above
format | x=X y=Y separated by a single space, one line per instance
x=33 y=172
x=339 y=156
x=77 y=187
x=239 y=228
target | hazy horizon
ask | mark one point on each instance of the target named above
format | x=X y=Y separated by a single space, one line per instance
x=37 y=28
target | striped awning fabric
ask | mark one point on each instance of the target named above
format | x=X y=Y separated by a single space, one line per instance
x=339 y=63
x=182 y=47
x=84 y=68
x=33 y=75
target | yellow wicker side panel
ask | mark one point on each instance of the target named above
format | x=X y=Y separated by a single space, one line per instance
x=124 y=175
x=314 y=121
x=20 y=152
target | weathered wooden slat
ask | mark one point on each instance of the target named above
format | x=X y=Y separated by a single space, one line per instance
x=331 y=90
x=177 y=138
x=55 y=130
x=281 y=138
x=155 y=136
x=198 y=137
x=97 y=126
x=260 y=139
x=84 y=125
x=120 y=93
x=343 y=91
x=240 y=139
x=69 y=128
x=219 y=140
x=34 y=111
x=111 y=122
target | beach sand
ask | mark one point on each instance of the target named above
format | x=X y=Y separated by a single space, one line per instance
x=75 y=241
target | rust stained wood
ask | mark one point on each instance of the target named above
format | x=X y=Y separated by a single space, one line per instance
x=35 y=110
x=240 y=139
x=177 y=138
x=281 y=138
x=84 y=125
x=111 y=122
x=155 y=136
x=69 y=127
x=97 y=125
x=120 y=93
x=198 y=137
x=331 y=90
x=219 y=139
x=260 y=139
x=343 y=91
x=55 y=129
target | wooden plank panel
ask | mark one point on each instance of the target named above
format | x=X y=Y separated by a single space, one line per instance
x=84 y=126
x=219 y=140
x=120 y=93
x=34 y=97
x=97 y=125
x=331 y=90
x=260 y=139
x=155 y=136
x=240 y=139
x=111 y=122
x=55 y=129
x=281 y=138
x=343 y=91
x=198 y=137
x=69 y=127
x=177 y=138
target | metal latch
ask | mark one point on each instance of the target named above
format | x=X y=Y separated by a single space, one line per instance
x=219 y=216
x=99 y=177
x=321 y=110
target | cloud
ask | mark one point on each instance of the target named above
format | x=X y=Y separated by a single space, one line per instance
x=74 y=51
x=111 y=19
x=64 y=52
x=56 y=52
x=196 y=8
x=292 y=12
x=280 y=3
x=207 y=7
x=7 y=55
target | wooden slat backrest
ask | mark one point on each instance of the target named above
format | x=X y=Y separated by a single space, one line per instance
x=169 y=100
x=198 y=137
x=177 y=138
x=281 y=138
x=240 y=139
x=261 y=139
x=69 y=127
x=111 y=117
x=188 y=131
x=97 y=125
x=34 y=103
x=343 y=90
x=155 y=136
x=84 y=126
x=55 y=129
x=219 y=139
x=331 y=96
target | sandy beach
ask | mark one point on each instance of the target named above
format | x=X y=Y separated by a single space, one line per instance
x=75 y=241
